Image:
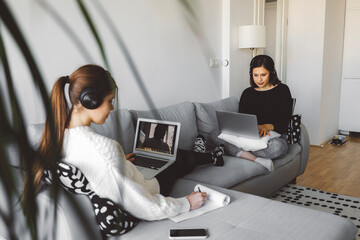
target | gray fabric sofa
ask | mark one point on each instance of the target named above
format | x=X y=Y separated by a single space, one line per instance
x=237 y=174
x=247 y=216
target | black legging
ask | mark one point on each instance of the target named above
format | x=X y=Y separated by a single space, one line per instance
x=186 y=161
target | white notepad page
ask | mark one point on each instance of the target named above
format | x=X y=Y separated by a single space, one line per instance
x=215 y=200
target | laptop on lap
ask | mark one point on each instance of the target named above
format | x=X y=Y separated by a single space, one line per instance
x=155 y=145
x=238 y=124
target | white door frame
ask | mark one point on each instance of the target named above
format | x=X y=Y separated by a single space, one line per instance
x=281 y=38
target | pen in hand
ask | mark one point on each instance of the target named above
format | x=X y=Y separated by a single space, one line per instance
x=202 y=193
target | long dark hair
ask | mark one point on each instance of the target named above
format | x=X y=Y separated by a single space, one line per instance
x=87 y=76
x=266 y=62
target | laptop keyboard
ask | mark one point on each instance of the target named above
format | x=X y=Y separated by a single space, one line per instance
x=149 y=162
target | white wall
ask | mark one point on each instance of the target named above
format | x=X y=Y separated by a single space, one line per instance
x=314 y=55
x=306 y=22
x=332 y=68
x=270 y=22
x=170 y=48
x=241 y=13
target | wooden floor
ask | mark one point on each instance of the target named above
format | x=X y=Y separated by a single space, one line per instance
x=334 y=168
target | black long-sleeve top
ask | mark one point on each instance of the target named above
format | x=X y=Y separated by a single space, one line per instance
x=273 y=106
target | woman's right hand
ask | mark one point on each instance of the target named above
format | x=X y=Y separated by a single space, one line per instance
x=130 y=157
x=197 y=199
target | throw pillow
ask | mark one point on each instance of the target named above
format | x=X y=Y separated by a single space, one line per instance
x=294 y=130
x=248 y=144
x=111 y=219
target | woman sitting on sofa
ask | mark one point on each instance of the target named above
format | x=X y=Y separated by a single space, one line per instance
x=271 y=102
x=102 y=160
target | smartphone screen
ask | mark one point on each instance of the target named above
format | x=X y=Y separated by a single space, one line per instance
x=188 y=233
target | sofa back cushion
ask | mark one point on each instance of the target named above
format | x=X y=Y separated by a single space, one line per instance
x=118 y=126
x=206 y=116
x=182 y=112
x=34 y=132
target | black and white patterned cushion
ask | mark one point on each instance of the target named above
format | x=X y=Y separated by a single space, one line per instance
x=111 y=219
x=294 y=130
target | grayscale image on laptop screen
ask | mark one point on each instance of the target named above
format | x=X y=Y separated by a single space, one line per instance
x=156 y=138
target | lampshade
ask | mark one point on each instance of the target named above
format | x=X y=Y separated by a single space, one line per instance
x=252 y=36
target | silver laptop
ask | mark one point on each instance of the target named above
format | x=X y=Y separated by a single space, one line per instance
x=155 y=145
x=238 y=124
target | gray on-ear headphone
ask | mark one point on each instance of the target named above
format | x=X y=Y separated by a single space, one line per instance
x=90 y=98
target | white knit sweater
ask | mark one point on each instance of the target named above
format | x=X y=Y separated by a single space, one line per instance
x=103 y=162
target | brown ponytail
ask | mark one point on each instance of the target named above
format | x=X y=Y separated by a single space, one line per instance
x=50 y=146
x=60 y=113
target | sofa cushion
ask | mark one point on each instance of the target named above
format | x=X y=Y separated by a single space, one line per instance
x=34 y=132
x=182 y=112
x=118 y=119
x=251 y=217
x=12 y=151
x=206 y=117
x=236 y=170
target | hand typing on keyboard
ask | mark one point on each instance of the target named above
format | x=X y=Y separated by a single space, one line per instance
x=131 y=157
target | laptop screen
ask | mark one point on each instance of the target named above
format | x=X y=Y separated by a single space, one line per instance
x=156 y=138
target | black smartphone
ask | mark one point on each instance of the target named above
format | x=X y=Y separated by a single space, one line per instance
x=187 y=233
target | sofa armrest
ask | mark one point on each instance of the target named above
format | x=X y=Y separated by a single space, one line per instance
x=305 y=151
x=75 y=218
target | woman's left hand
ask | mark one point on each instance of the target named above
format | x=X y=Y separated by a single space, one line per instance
x=265 y=129
x=130 y=157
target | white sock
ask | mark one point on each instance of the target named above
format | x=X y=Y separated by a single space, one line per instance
x=239 y=153
x=266 y=163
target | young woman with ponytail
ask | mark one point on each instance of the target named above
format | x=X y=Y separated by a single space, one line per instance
x=111 y=174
